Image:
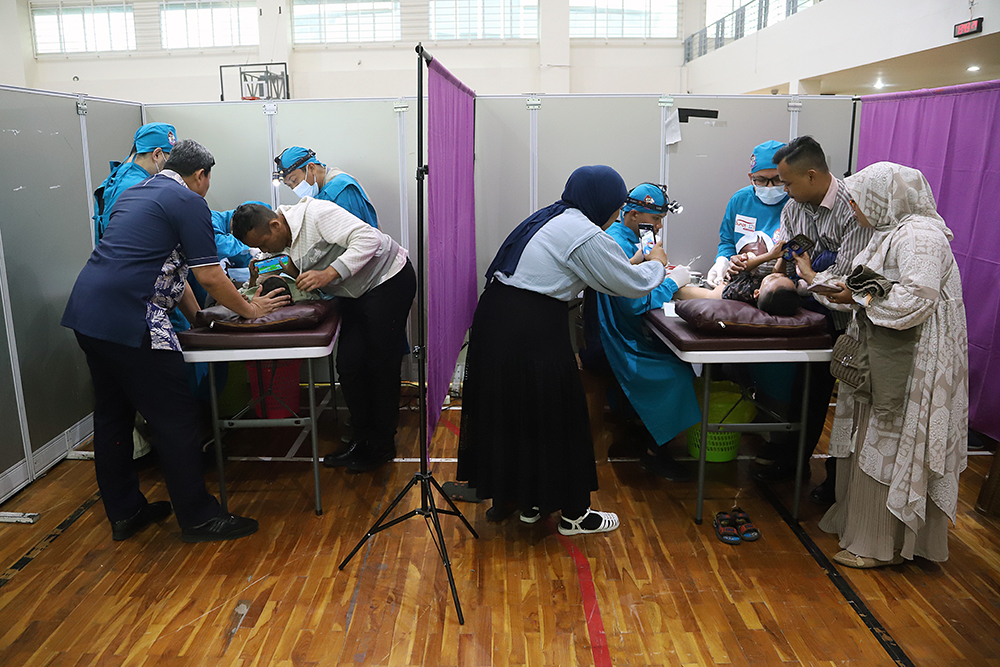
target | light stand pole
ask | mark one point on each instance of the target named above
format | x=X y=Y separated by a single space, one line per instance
x=425 y=478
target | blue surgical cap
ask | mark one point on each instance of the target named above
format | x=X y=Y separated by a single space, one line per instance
x=293 y=154
x=649 y=193
x=151 y=136
x=763 y=156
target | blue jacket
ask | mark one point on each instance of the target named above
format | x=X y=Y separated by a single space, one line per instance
x=754 y=216
x=344 y=191
x=658 y=384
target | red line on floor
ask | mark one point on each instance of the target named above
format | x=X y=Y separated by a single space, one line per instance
x=591 y=608
x=448 y=425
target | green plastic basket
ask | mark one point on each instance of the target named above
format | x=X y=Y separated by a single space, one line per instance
x=721 y=446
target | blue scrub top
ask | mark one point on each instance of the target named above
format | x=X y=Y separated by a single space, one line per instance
x=658 y=384
x=746 y=213
x=123 y=176
x=344 y=191
x=228 y=246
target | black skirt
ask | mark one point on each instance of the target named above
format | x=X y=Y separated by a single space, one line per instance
x=525 y=437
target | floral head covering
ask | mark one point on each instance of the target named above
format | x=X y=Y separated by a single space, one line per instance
x=889 y=193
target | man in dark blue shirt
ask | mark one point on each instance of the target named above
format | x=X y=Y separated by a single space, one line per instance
x=119 y=309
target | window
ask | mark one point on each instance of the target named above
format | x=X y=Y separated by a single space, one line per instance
x=199 y=24
x=74 y=27
x=635 y=19
x=483 y=19
x=338 y=21
x=717 y=9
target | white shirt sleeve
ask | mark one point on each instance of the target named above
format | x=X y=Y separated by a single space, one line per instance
x=340 y=227
x=600 y=262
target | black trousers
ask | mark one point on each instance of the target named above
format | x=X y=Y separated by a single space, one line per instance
x=154 y=383
x=370 y=352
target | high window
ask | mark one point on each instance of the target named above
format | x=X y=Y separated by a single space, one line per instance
x=79 y=27
x=199 y=24
x=333 y=21
x=483 y=19
x=615 y=19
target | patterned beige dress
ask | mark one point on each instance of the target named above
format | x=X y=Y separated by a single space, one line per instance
x=895 y=458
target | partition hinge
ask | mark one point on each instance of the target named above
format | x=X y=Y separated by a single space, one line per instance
x=400 y=105
x=665 y=101
x=81 y=106
x=270 y=109
x=794 y=104
x=533 y=103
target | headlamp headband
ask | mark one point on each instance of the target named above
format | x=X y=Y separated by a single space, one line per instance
x=668 y=206
x=281 y=172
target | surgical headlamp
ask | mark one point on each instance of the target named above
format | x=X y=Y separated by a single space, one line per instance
x=668 y=206
x=281 y=172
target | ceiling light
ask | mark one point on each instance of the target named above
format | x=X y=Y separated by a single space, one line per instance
x=879 y=84
x=974 y=68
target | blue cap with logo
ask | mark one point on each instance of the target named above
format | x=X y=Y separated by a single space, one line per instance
x=646 y=198
x=295 y=157
x=763 y=156
x=151 y=136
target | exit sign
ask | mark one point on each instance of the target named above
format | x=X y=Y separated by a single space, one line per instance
x=969 y=27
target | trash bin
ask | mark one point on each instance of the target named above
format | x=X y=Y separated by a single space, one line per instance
x=725 y=405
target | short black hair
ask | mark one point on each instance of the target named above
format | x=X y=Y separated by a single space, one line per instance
x=248 y=217
x=780 y=301
x=802 y=153
x=188 y=156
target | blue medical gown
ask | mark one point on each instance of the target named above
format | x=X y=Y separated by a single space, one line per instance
x=746 y=213
x=238 y=254
x=344 y=191
x=123 y=176
x=657 y=383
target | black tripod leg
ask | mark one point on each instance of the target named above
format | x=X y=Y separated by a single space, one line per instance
x=444 y=549
x=453 y=507
x=378 y=524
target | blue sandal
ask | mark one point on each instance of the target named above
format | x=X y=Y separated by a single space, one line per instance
x=744 y=526
x=725 y=528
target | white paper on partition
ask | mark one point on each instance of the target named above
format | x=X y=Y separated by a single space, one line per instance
x=672 y=128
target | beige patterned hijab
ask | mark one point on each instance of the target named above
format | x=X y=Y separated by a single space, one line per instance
x=889 y=194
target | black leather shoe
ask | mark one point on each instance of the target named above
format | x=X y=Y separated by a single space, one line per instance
x=222 y=527
x=151 y=513
x=824 y=494
x=780 y=471
x=372 y=458
x=345 y=455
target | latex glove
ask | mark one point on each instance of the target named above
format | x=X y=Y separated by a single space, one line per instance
x=718 y=271
x=681 y=275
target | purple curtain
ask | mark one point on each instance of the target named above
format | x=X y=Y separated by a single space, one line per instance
x=952 y=135
x=451 y=230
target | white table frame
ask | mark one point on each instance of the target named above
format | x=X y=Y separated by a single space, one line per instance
x=225 y=355
x=710 y=357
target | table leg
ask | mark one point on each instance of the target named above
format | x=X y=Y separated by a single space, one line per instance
x=314 y=427
x=220 y=462
x=800 y=458
x=707 y=378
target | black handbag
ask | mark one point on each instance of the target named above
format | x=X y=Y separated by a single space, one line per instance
x=847 y=364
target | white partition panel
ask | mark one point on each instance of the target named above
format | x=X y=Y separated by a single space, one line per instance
x=828 y=120
x=236 y=134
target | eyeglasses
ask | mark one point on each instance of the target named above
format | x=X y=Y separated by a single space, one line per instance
x=763 y=182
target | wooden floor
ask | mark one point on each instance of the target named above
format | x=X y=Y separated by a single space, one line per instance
x=664 y=591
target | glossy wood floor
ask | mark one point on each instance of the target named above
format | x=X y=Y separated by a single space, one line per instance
x=666 y=591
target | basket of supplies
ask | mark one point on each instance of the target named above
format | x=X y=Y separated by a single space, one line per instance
x=726 y=405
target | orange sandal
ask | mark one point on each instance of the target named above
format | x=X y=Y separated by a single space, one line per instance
x=744 y=526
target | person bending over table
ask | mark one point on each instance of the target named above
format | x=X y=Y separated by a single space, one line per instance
x=119 y=310
x=341 y=255
x=525 y=438
x=658 y=384
x=900 y=437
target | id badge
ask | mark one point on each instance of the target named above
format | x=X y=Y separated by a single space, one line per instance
x=745 y=224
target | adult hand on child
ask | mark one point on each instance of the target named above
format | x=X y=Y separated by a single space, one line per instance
x=681 y=275
x=270 y=302
x=738 y=263
x=310 y=280
x=803 y=266
x=718 y=271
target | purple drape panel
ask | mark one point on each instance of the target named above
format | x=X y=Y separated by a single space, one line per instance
x=451 y=230
x=953 y=136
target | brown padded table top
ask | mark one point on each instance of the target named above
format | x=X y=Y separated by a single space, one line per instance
x=204 y=338
x=687 y=339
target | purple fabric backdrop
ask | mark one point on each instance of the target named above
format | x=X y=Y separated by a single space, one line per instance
x=952 y=135
x=451 y=230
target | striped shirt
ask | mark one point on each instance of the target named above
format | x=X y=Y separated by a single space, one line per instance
x=833 y=227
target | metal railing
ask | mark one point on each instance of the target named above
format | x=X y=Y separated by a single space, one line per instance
x=751 y=17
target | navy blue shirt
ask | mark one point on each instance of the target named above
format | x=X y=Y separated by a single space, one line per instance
x=136 y=274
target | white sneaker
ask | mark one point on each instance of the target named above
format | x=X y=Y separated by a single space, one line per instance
x=609 y=521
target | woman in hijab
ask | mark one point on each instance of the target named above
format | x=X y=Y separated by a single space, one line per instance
x=525 y=439
x=901 y=436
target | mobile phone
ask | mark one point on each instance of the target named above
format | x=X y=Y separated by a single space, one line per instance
x=647 y=237
x=824 y=289
x=799 y=244
x=272 y=264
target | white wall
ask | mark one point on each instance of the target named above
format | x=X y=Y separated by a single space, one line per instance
x=832 y=36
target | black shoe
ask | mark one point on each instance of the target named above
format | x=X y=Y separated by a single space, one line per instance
x=824 y=494
x=499 y=513
x=222 y=527
x=345 y=455
x=665 y=466
x=780 y=471
x=151 y=513
x=371 y=458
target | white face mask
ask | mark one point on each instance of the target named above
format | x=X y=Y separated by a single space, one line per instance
x=769 y=196
x=303 y=189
